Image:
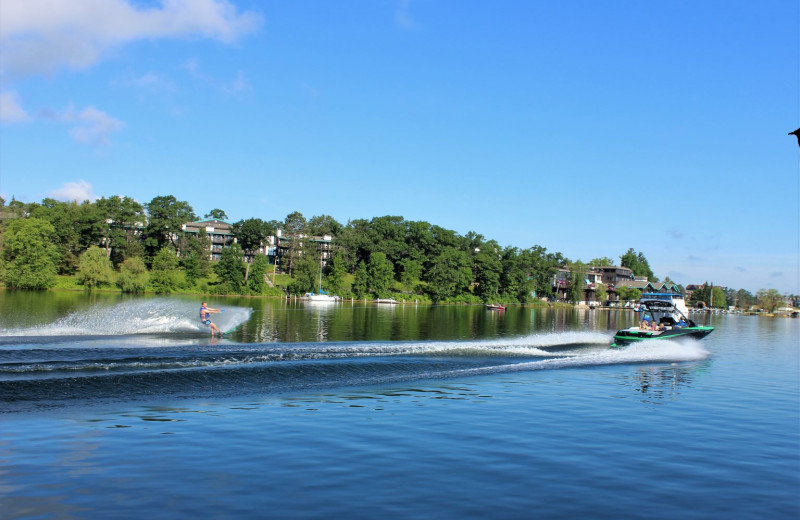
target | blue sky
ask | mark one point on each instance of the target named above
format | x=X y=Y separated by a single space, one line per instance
x=585 y=127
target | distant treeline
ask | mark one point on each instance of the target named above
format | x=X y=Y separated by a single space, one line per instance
x=142 y=247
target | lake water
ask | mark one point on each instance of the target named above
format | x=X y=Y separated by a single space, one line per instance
x=115 y=407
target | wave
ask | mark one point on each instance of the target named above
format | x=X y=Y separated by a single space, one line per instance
x=63 y=375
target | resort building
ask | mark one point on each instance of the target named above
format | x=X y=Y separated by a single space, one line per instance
x=218 y=232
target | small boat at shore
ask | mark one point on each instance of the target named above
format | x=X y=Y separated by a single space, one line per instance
x=386 y=301
x=320 y=298
x=663 y=319
x=495 y=307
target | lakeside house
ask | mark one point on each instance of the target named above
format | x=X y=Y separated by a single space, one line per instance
x=613 y=277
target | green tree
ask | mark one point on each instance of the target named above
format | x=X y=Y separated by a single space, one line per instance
x=194 y=257
x=718 y=298
x=294 y=228
x=216 y=214
x=166 y=216
x=164 y=273
x=380 y=274
x=133 y=276
x=320 y=225
x=307 y=273
x=637 y=263
x=542 y=267
x=29 y=254
x=514 y=280
x=94 y=268
x=709 y=295
x=744 y=299
x=488 y=270
x=602 y=261
x=124 y=218
x=258 y=274
x=410 y=272
x=251 y=234
x=629 y=294
x=336 y=273
x=769 y=299
x=450 y=275
x=388 y=236
x=77 y=227
x=230 y=269
x=601 y=292
x=361 y=281
x=577 y=281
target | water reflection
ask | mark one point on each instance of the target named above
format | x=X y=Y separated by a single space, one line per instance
x=663 y=383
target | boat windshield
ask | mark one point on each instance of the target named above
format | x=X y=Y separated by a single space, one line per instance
x=663 y=312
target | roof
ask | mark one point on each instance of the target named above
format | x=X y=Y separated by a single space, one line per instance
x=644 y=284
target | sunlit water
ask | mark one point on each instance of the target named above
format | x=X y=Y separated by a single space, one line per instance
x=127 y=408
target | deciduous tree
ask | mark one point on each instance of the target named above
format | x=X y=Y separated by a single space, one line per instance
x=164 y=273
x=230 y=269
x=94 y=268
x=488 y=270
x=769 y=299
x=637 y=263
x=29 y=254
x=217 y=214
x=381 y=274
x=336 y=273
x=133 y=275
x=166 y=216
x=450 y=275
x=256 y=281
x=123 y=217
x=361 y=281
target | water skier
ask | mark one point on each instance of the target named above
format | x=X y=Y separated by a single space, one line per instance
x=205 y=317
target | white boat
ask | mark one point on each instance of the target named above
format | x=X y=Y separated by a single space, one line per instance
x=322 y=298
x=386 y=301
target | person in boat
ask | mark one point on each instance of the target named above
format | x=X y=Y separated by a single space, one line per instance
x=681 y=322
x=205 y=317
x=645 y=325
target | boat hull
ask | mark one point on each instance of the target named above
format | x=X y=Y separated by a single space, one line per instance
x=634 y=335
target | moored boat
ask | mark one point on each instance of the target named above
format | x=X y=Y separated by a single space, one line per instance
x=662 y=318
x=320 y=298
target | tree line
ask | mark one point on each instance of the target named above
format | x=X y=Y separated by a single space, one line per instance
x=143 y=247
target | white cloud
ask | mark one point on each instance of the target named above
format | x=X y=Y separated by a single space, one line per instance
x=78 y=191
x=91 y=126
x=239 y=85
x=11 y=110
x=402 y=16
x=41 y=36
x=150 y=82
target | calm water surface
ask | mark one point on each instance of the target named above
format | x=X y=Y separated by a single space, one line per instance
x=117 y=407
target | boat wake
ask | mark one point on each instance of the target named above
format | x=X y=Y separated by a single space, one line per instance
x=83 y=369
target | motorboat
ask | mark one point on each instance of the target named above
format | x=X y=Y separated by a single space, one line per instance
x=661 y=318
x=495 y=307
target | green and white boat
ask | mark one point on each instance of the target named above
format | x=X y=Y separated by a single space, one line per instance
x=665 y=313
